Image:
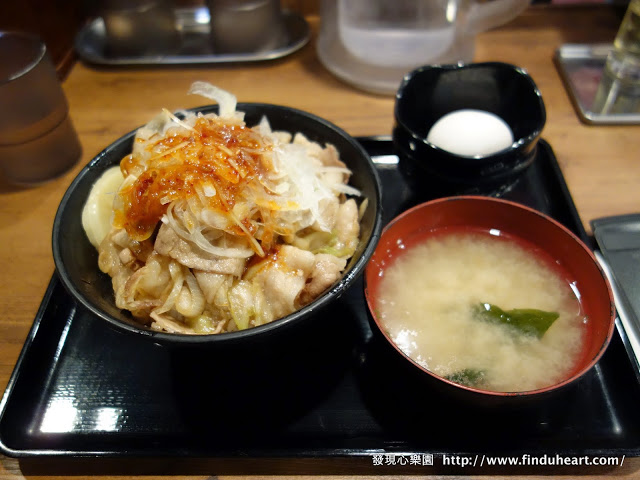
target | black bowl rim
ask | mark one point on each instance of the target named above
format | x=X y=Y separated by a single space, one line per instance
x=519 y=144
x=328 y=296
x=490 y=393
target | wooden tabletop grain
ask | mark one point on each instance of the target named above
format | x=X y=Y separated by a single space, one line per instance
x=601 y=164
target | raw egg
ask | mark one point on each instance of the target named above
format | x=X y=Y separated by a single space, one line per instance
x=471 y=133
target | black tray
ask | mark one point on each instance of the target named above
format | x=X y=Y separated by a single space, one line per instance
x=80 y=389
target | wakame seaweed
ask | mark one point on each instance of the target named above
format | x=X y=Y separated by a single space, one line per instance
x=469 y=377
x=529 y=321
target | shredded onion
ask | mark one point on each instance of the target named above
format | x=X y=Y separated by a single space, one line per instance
x=177 y=277
x=190 y=303
x=178 y=121
x=198 y=239
x=344 y=188
x=225 y=100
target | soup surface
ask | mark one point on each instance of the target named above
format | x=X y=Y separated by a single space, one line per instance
x=429 y=301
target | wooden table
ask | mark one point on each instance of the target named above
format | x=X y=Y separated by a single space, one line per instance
x=601 y=164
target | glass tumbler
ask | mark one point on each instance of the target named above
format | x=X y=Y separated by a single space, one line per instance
x=619 y=89
x=624 y=60
x=37 y=139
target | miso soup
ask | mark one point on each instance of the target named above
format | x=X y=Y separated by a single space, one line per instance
x=431 y=295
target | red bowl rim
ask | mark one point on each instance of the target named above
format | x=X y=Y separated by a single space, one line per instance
x=519 y=206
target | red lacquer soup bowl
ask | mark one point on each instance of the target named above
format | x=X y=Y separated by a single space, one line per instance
x=540 y=235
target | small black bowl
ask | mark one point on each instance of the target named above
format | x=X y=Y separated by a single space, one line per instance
x=430 y=92
x=76 y=260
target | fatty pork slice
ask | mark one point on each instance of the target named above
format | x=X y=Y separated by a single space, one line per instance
x=272 y=287
x=125 y=261
x=282 y=281
x=170 y=244
x=214 y=287
x=326 y=270
x=347 y=226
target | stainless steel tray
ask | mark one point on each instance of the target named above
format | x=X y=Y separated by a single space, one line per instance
x=619 y=254
x=195 y=45
x=582 y=69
